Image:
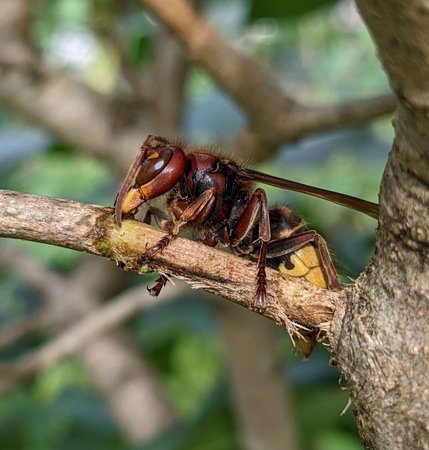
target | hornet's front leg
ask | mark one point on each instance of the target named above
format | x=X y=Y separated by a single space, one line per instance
x=202 y=206
x=155 y=290
x=164 y=224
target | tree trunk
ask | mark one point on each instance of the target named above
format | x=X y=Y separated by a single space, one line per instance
x=381 y=336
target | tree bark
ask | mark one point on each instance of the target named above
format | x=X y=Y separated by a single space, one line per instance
x=291 y=302
x=381 y=336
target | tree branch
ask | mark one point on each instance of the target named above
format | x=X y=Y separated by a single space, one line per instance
x=236 y=73
x=84 y=120
x=275 y=115
x=76 y=336
x=14 y=331
x=313 y=118
x=89 y=228
x=383 y=347
x=38 y=93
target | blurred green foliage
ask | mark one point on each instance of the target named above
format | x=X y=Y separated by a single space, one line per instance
x=279 y=10
x=324 y=54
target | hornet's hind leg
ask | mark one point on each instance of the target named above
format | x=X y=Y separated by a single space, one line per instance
x=256 y=211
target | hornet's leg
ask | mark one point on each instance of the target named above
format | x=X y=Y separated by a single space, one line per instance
x=160 y=217
x=191 y=212
x=155 y=290
x=198 y=206
x=256 y=211
x=162 y=222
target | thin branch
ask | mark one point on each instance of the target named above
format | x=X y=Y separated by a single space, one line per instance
x=91 y=229
x=117 y=367
x=78 y=335
x=238 y=75
x=275 y=115
x=312 y=119
x=56 y=312
x=20 y=328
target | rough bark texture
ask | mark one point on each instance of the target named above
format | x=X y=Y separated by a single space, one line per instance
x=291 y=302
x=383 y=346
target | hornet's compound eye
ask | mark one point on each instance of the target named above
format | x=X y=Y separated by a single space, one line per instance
x=153 y=165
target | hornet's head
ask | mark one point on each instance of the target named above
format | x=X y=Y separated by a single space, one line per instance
x=157 y=168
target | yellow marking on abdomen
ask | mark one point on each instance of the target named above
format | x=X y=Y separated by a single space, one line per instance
x=307 y=264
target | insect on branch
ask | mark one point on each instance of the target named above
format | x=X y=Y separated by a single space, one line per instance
x=92 y=229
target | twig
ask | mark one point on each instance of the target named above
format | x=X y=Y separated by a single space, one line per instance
x=118 y=368
x=312 y=119
x=16 y=330
x=55 y=290
x=91 y=229
x=99 y=321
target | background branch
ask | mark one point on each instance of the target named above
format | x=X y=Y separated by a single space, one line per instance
x=270 y=107
x=249 y=372
x=118 y=369
x=78 y=335
x=275 y=116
